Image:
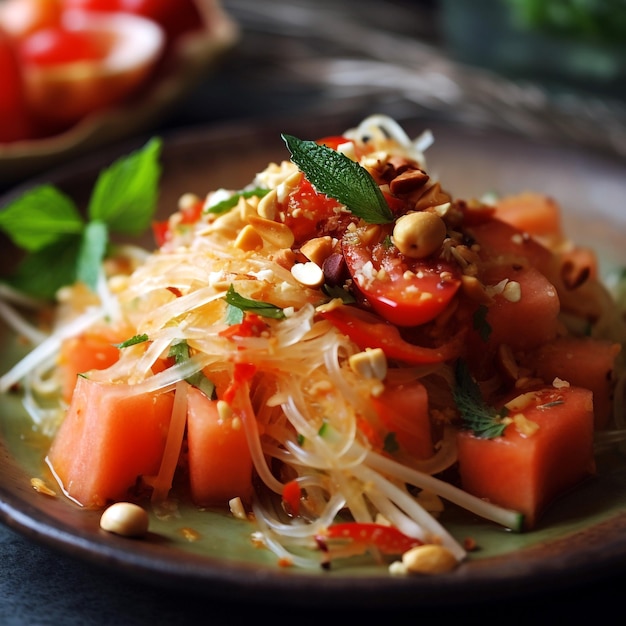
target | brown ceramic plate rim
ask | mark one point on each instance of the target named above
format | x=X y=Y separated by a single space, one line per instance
x=586 y=555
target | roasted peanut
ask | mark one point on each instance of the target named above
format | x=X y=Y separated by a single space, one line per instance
x=420 y=234
x=126 y=519
x=429 y=559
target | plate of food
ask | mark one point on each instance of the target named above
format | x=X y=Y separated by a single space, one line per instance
x=81 y=74
x=314 y=360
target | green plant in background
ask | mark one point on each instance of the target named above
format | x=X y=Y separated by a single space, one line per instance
x=589 y=20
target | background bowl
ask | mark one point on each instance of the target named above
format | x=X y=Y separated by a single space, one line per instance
x=194 y=55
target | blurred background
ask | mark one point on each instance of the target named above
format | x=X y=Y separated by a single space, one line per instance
x=549 y=69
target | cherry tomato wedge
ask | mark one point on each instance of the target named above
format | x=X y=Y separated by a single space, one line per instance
x=404 y=291
x=368 y=331
x=311 y=214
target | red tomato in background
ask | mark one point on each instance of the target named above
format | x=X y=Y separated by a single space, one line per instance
x=14 y=123
x=20 y=18
x=55 y=45
x=175 y=16
x=411 y=292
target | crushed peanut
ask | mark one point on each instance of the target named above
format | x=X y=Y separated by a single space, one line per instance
x=308 y=274
x=268 y=205
x=275 y=233
x=248 y=239
x=41 y=487
x=318 y=249
x=236 y=508
x=371 y=363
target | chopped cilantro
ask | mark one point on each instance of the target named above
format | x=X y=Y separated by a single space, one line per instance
x=133 y=341
x=264 y=309
x=179 y=351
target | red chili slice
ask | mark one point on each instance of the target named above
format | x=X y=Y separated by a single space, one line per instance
x=352 y=538
x=367 y=331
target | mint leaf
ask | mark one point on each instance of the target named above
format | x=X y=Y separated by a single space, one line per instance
x=40 y=217
x=91 y=255
x=484 y=421
x=338 y=177
x=62 y=247
x=125 y=194
x=42 y=273
x=265 y=309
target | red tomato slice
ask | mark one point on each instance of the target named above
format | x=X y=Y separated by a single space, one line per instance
x=404 y=291
x=311 y=214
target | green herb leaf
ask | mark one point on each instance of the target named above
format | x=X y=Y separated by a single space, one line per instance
x=125 y=193
x=133 y=341
x=92 y=252
x=265 y=309
x=338 y=292
x=337 y=176
x=484 y=421
x=480 y=323
x=179 y=351
x=42 y=273
x=229 y=203
x=40 y=217
x=63 y=247
x=234 y=315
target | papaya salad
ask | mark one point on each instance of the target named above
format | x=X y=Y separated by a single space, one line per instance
x=335 y=353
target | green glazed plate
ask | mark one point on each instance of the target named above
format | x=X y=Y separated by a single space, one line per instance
x=581 y=537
